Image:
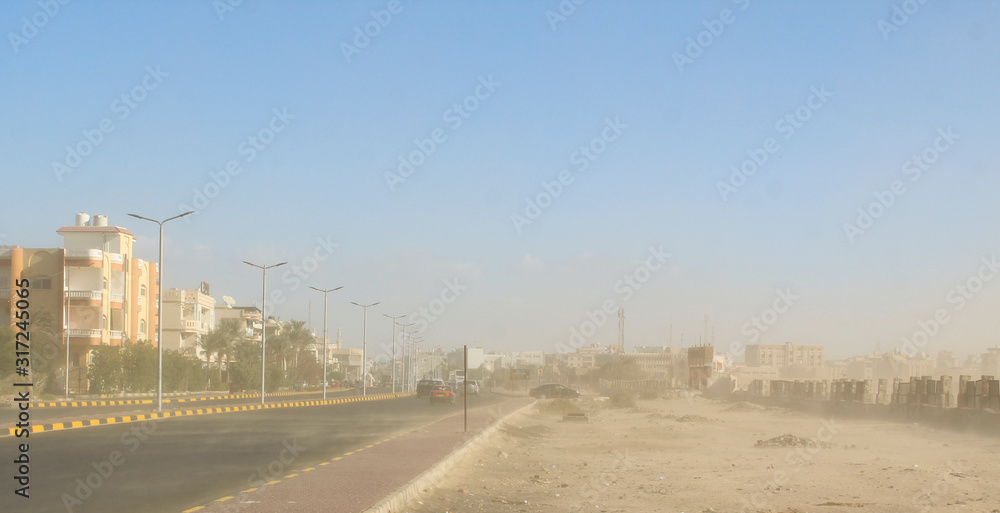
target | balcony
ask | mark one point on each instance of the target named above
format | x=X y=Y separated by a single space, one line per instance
x=195 y=325
x=74 y=332
x=117 y=297
x=92 y=254
x=116 y=258
x=85 y=294
x=139 y=301
x=115 y=334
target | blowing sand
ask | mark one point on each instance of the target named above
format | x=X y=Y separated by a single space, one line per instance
x=696 y=455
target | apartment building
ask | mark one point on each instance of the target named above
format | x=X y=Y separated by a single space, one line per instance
x=188 y=315
x=93 y=290
x=787 y=355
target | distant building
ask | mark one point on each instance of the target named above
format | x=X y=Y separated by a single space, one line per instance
x=188 y=315
x=701 y=363
x=787 y=355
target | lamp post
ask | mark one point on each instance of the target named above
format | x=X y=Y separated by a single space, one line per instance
x=394 y=348
x=324 y=291
x=413 y=359
x=263 y=322
x=364 y=349
x=159 y=310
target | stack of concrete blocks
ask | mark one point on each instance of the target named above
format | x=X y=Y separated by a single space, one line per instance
x=882 y=394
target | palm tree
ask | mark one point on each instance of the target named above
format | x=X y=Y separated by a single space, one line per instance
x=298 y=338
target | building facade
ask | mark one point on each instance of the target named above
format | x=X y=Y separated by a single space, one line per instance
x=93 y=290
x=188 y=315
x=786 y=355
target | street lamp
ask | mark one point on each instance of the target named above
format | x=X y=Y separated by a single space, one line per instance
x=263 y=321
x=394 y=348
x=159 y=311
x=324 y=291
x=413 y=359
x=364 y=349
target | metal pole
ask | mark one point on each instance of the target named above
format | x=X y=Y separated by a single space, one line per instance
x=324 y=347
x=364 y=349
x=66 y=286
x=465 y=389
x=263 y=331
x=159 y=325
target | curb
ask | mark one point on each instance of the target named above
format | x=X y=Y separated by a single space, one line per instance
x=105 y=402
x=58 y=426
x=397 y=500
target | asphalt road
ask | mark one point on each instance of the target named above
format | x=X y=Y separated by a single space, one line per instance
x=49 y=414
x=170 y=465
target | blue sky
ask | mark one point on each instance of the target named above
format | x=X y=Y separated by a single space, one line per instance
x=212 y=83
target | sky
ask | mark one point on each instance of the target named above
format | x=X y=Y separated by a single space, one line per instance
x=504 y=174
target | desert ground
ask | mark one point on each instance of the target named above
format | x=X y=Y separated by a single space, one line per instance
x=696 y=455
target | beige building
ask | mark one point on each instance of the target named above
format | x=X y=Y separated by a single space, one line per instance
x=787 y=355
x=188 y=315
x=94 y=291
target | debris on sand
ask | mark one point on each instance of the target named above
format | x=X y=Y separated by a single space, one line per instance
x=694 y=418
x=744 y=406
x=791 y=441
x=536 y=431
x=661 y=415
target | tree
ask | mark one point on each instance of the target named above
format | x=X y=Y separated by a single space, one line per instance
x=221 y=342
x=105 y=373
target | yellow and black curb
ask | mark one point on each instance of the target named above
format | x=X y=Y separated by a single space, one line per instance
x=205 y=411
x=124 y=402
x=294 y=474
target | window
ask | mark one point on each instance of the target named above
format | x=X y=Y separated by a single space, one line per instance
x=142 y=326
x=142 y=291
x=41 y=282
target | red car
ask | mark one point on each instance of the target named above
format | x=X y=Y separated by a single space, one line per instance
x=442 y=394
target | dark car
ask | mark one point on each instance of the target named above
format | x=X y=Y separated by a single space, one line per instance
x=554 y=390
x=442 y=394
x=424 y=386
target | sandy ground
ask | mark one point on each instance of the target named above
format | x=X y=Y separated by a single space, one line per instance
x=698 y=455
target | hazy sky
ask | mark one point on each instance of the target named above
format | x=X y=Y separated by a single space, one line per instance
x=284 y=124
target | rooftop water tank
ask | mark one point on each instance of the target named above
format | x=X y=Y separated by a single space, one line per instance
x=82 y=219
x=100 y=220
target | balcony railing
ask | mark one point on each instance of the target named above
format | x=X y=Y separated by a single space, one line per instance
x=115 y=334
x=195 y=325
x=85 y=294
x=116 y=258
x=75 y=332
x=93 y=254
x=117 y=298
x=139 y=301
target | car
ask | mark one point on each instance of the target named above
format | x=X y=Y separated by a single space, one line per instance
x=442 y=394
x=424 y=386
x=302 y=385
x=471 y=387
x=554 y=390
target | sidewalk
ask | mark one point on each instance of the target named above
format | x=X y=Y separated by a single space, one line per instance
x=356 y=480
